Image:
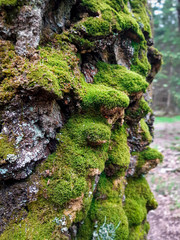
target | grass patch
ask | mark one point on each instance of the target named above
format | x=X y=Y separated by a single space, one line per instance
x=167 y=119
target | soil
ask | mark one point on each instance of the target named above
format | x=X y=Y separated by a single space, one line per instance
x=165 y=184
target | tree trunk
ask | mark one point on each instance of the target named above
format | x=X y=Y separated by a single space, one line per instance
x=178 y=12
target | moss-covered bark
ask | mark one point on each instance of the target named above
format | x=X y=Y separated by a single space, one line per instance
x=91 y=72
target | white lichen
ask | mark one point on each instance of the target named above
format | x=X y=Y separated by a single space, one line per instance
x=105 y=231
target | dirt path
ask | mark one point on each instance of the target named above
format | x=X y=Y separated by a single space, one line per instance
x=165 y=184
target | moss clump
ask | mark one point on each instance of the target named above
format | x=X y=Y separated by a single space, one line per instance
x=145 y=131
x=80 y=42
x=98 y=134
x=108 y=190
x=40 y=223
x=134 y=212
x=139 y=111
x=120 y=78
x=74 y=157
x=150 y=154
x=100 y=95
x=6 y=148
x=106 y=206
x=147 y=155
x=94 y=5
x=139 y=199
x=28 y=228
x=55 y=70
x=113 y=213
x=139 y=9
x=140 y=63
x=70 y=187
x=97 y=26
x=119 y=153
x=8 y=2
x=113 y=16
x=80 y=126
x=139 y=232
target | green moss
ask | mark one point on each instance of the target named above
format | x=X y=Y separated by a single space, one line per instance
x=112 y=212
x=100 y=95
x=119 y=151
x=39 y=224
x=107 y=204
x=140 y=63
x=150 y=154
x=96 y=26
x=7 y=151
x=139 y=232
x=120 y=78
x=139 y=111
x=98 y=133
x=139 y=9
x=82 y=43
x=69 y=188
x=56 y=71
x=107 y=189
x=139 y=199
x=112 y=190
x=145 y=131
x=74 y=157
x=146 y=227
x=6 y=148
x=94 y=6
x=80 y=126
x=147 y=155
x=114 y=15
x=87 y=200
x=134 y=212
x=86 y=230
x=8 y=2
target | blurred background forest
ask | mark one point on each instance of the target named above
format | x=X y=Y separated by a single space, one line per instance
x=166 y=87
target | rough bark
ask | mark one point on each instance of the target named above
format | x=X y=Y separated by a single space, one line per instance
x=75 y=119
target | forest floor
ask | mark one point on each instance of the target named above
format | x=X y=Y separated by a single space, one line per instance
x=165 y=183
